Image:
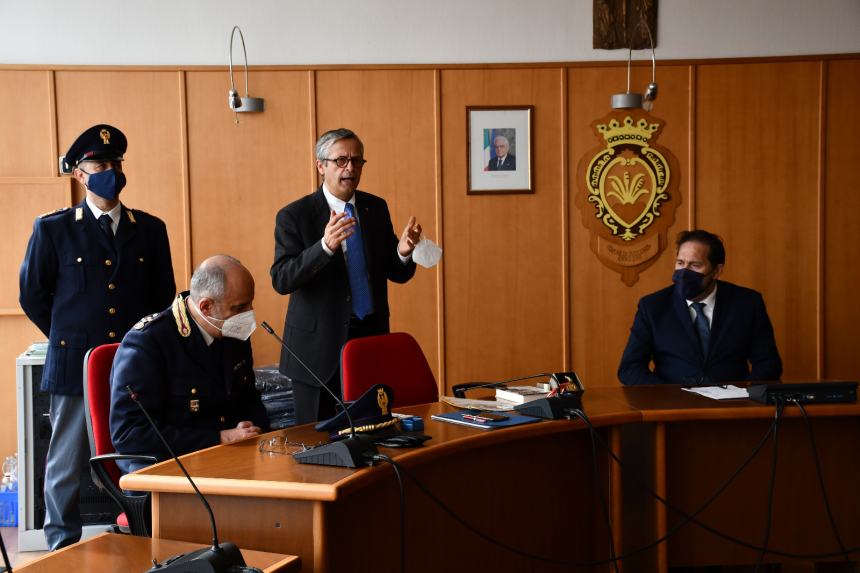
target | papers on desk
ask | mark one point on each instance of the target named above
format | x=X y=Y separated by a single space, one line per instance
x=484 y=405
x=719 y=392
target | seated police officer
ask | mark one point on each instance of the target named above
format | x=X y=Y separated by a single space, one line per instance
x=90 y=272
x=191 y=368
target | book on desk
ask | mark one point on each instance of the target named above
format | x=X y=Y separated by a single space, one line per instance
x=467 y=418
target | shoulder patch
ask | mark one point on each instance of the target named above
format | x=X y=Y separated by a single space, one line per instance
x=54 y=212
x=143 y=322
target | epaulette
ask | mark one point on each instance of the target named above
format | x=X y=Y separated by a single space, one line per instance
x=54 y=212
x=143 y=322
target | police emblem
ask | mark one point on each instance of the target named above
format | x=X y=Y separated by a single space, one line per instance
x=628 y=192
x=105 y=135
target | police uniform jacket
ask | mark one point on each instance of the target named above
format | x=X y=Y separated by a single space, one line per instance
x=83 y=290
x=192 y=391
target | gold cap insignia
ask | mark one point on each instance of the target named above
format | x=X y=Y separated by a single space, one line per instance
x=382 y=400
x=105 y=135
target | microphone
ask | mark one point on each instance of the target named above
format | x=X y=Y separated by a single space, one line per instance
x=461 y=389
x=352 y=452
x=221 y=557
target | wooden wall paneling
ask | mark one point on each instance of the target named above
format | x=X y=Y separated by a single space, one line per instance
x=394 y=113
x=602 y=306
x=26 y=137
x=242 y=174
x=145 y=105
x=840 y=222
x=757 y=185
x=22 y=200
x=503 y=284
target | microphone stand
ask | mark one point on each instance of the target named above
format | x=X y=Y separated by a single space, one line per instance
x=6 y=562
x=221 y=557
x=352 y=452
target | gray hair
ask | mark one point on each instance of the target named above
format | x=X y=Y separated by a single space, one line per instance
x=498 y=137
x=210 y=278
x=328 y=139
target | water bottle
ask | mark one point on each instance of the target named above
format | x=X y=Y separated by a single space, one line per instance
x=9 y=482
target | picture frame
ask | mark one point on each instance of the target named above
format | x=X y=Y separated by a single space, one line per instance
x=499 y=146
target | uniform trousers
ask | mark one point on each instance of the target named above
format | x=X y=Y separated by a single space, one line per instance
x=68 y=457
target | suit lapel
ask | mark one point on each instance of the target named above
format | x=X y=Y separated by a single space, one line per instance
x=127 y=228
x=90 y=227
x=683 y=315
x=321 y=213
x=719 y=317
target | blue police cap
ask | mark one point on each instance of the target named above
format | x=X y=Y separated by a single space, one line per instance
x=370 y=413
x=98 y=143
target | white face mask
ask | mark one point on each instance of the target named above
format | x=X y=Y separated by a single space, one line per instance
x=239 y=326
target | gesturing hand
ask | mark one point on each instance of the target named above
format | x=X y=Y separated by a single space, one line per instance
x=339 y=227
x=410 y=237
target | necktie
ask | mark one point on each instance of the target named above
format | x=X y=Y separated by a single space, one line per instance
x=499 y=162
x=105 y=224
x=357 y=269
x=702 y=326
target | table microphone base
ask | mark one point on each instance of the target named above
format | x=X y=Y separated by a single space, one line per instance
x=227 y=558
x=352 y=452
x=554 y=408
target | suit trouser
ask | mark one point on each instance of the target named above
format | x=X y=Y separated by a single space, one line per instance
x=312 y=402
x=68 y=455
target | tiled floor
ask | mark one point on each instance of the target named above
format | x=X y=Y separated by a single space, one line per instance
x=10 y=538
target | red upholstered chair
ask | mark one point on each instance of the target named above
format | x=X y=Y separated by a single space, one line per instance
x=393 y=359
x=135 y=517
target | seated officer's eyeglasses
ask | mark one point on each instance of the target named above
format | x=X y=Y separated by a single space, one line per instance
x=343 y=160
x=281 y=445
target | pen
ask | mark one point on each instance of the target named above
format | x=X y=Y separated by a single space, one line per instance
x=475 y=418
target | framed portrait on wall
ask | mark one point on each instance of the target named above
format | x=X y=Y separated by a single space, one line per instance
x=499 y=149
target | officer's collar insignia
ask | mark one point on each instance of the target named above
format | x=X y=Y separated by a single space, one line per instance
x=79 y=214
x=141 y=324
x=180 y=314
x=131 y=216
x=105 y=135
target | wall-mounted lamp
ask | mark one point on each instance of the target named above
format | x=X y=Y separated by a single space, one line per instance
x=241 y=104
x=630 y=100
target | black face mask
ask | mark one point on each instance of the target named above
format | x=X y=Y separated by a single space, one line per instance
x=688 y=283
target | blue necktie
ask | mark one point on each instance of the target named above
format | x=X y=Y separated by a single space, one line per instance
x=702 y=326
x=357 y=269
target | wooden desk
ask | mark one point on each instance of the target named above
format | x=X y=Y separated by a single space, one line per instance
x=113 y=552
x=530 y=486
x=697 y=443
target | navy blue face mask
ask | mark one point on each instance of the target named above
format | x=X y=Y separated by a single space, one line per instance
x=106 y=184
x=688 y=283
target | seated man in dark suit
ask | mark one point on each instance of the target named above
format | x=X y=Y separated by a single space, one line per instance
x=700 y=331
x=192 y=369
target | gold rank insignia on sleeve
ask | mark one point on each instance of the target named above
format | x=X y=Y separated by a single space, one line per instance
x=141 y=324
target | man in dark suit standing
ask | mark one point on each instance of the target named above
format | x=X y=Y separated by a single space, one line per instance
x=504 y=160
x=335 y=251
x=700 y=331
x=90 y=272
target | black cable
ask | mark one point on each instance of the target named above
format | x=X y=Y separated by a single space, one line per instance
x=769 y=516
x=396 y=467
x=691 y=517
x=807 y=424
x=602 y=499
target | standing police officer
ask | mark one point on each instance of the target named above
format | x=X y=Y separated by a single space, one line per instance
x=90 y=272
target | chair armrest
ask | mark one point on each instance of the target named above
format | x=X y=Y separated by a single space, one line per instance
x=136 y=506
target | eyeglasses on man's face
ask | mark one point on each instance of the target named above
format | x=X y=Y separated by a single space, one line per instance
x=342 y=161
